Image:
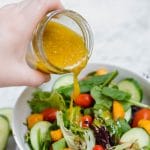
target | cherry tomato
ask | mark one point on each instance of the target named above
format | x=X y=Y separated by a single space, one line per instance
x=98 y=147
x=139 y=115
x=84 y=100
x=86 y=121
x=49 y=114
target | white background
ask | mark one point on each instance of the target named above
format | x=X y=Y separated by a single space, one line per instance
x=121 y=34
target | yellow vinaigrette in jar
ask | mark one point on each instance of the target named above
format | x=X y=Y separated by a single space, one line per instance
x=63 y=47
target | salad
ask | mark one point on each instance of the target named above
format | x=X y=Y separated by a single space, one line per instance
x=107 y=115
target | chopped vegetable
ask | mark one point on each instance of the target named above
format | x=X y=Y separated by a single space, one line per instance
x=139 y=115
x=83 y=140
x=100 y=111
x=98 y=147
x=64 y=80
x=89 y=139
x=86 y=121
x=127 y=146
x=121 y=96
x=33 y=119
x=118 y=111
x=102 y=71
x=4 y=132
x=138 y=135
x=7 y=112
x=122 y=127
x=132 y=87
x=116 y=129
x=102 y=136
x=84 y=100
x=115 y=94
x=59 y=145
x=88 y=111
x=73 y=141
x=56 y=101
x=49 y=114
x=144 y=124
x=74 y=115
x=39 y=135
x=56 y=135
x=39 y=102
x=128 y=115
x=100 y=99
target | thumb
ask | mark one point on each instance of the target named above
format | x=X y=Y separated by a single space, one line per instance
x=31 y=77
x=34 y=10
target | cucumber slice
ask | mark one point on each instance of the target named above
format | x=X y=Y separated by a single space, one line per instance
x=128 y=115
x=63 y=81
x=132 y=87
x=4 y=132
x=59 y=145
x=7 y=112
x=136 y=134
x=39 y=133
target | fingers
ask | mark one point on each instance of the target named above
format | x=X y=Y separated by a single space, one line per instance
x=36 y=78
x=33 y=78
x=30 y=77
x=34 y=10
x=25 y=76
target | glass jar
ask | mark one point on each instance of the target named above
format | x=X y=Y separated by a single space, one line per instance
x=35 y=56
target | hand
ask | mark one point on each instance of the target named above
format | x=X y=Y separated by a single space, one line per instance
x=17 y=23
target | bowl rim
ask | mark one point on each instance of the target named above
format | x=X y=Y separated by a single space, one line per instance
x=19 y=145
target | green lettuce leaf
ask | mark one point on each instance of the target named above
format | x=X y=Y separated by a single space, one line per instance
x=42 y=100
x=77 y=138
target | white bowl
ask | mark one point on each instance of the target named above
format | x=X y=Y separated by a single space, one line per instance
x=22 y=109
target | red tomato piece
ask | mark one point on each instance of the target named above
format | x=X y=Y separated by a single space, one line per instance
x=49 y=114
x=139 y=115
x=84 y=100
x=98 y=147
x=86 y=121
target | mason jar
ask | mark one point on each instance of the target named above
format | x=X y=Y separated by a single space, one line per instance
x=35 y=56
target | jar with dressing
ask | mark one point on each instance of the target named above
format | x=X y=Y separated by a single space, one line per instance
x=62 y=43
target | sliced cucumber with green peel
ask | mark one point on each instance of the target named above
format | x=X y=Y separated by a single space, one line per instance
x=128 y=115
x=63 y=81
x=132 y=87
x=138 y=135
x=38 y=134
x=7 y=112
x=4 y=132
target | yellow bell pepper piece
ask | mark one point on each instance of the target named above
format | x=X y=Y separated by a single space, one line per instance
x=56 y=135
x=118 y=110
x=33 y=119
x=144 y=124
x=102 y=71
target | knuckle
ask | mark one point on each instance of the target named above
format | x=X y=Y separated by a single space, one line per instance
x=38 y=80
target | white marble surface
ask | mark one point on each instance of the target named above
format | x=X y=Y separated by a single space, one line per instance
x=121 y=34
